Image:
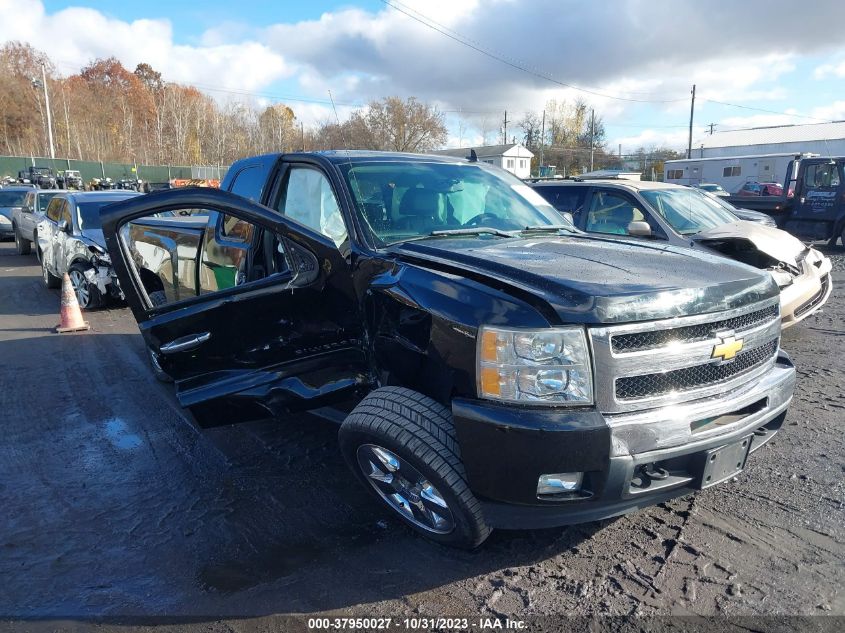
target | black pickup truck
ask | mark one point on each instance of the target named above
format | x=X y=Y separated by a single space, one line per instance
x=812 y=206
x=489 y=364
x=41 y=177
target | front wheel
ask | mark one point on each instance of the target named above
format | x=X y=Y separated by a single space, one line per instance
x=401 y=445
x=87 y=294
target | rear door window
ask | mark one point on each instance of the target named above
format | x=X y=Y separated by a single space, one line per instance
x=565 y=199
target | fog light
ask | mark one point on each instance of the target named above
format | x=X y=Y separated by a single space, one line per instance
x=559 y=482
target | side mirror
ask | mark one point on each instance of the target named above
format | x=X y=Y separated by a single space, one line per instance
x=638 y=228
x=568 y=217
x=62 y=226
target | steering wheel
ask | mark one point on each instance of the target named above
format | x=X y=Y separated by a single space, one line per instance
x=481 y=217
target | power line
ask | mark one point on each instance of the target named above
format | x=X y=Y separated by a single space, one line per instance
x=513 y=64
x=736 y=105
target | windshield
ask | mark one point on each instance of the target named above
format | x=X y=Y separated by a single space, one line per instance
x=398 y=201
x=721 y=202
x=711 y=187
x=88 y=214
x=44 y=198
x=12 y=198
x=688 y=211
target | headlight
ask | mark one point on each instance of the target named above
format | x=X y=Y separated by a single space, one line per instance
x=550 y=366
x=4 y=219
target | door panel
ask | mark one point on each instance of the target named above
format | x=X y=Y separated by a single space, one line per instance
x=258 y=308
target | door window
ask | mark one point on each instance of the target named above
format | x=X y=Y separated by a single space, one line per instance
x=249 y=183
x=194 y=252
x=308 y=198
x=28 y=203
x=822 y=176
x=65 y=213
x=54 y=210
x=611 y=213
x=565 y=199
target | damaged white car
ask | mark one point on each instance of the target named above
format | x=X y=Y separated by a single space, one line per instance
x=70 y=240
x=684 y=216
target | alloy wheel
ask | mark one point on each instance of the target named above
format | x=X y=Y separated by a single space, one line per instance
x=405 y=489
x=80 y=287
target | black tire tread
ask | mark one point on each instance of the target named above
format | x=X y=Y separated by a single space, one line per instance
x=425 y=428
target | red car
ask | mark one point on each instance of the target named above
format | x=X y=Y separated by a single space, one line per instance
x=760 y=189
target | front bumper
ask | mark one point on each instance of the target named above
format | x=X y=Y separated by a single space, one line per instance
x=506 y=449
x=6 y=228
x=808 y=292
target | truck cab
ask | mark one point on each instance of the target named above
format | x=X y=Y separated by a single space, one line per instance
x=489 y=364
x=815 y=199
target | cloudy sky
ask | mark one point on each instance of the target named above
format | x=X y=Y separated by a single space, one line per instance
x=773 y=61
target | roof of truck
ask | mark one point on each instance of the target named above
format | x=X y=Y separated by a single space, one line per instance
x=637 y=185
x=341 y=155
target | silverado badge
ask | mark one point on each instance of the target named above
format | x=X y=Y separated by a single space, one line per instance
x=727 y=348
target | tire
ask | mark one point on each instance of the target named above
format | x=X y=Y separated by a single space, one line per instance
x=49 y=279
x=419 y=433
x=158 y=298
x=22 y=245
x=87 y=294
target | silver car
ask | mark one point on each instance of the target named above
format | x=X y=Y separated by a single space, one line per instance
x=11 y=198
x=25 y=219
x=70 y=240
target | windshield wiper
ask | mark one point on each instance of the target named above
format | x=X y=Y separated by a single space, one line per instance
x=477 y=230
x=550 y=227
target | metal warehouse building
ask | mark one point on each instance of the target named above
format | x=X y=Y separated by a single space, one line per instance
x=826 y=139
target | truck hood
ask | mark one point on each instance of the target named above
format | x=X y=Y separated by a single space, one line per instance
x=596 y=280
x=777 y=244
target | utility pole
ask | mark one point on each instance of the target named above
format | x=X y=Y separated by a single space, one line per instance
x=542 y=143
x=712 y=125
x=691 y=114
x=505 y=130
x=47 y=106
x=592 y=133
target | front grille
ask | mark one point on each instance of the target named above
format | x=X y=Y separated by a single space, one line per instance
x=817 y=298
x=653 y=385
x=638 y=341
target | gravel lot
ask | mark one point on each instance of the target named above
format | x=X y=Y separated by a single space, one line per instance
x=115 y=505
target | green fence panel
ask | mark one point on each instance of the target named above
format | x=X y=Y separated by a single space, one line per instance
x=11 y=165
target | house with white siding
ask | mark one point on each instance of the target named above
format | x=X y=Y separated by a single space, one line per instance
x=514 y=157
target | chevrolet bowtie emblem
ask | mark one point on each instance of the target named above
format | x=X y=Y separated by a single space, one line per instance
x=727 y=348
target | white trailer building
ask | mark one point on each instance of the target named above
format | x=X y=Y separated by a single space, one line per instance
x=730 y=172
x=732 y=158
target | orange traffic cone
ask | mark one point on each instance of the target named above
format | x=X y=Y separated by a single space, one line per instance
x=71 y=315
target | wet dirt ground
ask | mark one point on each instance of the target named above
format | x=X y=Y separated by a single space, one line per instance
x=114 y=505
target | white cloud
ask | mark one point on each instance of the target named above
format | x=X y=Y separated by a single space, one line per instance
x=833 y=112
x=73 y=37
x=836 y=69
x=637 y=49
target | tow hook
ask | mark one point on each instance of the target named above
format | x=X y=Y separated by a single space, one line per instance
x=654 y=473
x=646 y=473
